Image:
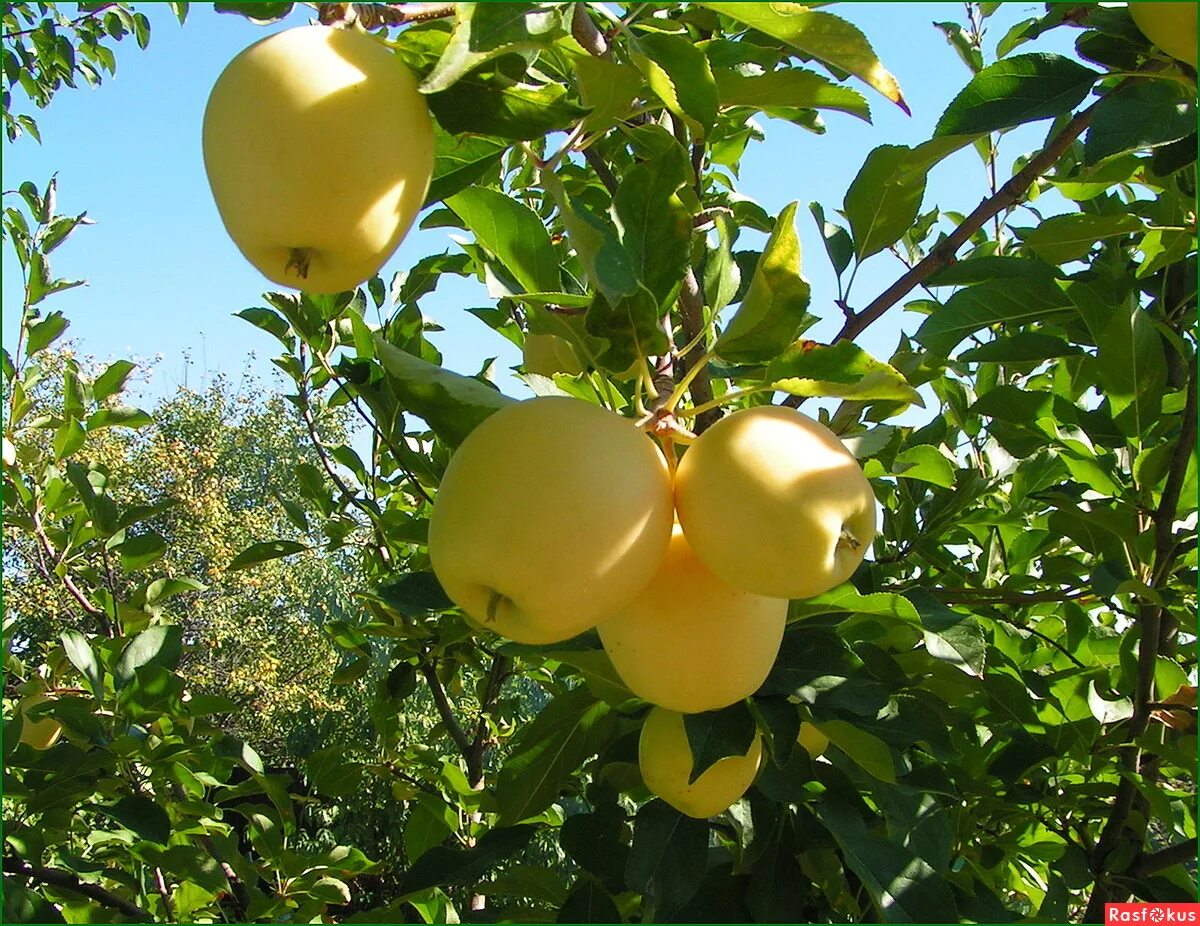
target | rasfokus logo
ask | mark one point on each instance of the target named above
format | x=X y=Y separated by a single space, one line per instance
x=1152 y=914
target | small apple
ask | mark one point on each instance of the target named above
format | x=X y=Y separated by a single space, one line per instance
x=689 y=641
x=813 y=740
x=319 y=150
x=42 y=732
x=773 y=502
x=547 y=354
x=552 y=514
x=1170 y=26
x=665 y=758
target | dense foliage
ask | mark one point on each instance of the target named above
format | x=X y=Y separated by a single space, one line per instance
x=1007 y=682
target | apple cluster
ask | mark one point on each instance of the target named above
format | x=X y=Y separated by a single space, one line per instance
x=556 y=516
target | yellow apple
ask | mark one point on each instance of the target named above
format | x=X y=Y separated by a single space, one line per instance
x=319 y=150
x=813 y=740
x=552 y=514
x=665 y=759
x=773 y=502
x=42 y=732
x=547 y=354
x=1170 y=26
x=689 y=641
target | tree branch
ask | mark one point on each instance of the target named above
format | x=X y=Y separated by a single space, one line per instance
x=691 y=324
x=491 y=694
x=1008 y=195
x=1165 y=858
x=66 y=881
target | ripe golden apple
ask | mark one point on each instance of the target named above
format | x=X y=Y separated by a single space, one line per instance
x=1170 y=26
x=547 y=354
x=665 y=759
x=773 y=502
x=40 y=733
x=813 y=740
x=319 y=150
x=552 y=514
x=689 y=641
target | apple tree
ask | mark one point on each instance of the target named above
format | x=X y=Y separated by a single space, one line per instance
x=1006 y=683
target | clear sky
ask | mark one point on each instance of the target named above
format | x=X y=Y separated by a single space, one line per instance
x=164 y=279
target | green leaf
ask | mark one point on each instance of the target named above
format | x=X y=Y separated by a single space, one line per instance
x=679 y=74
x=415 y=594
x=774 y=310
x=162 y=589
x=838 y=244
x=1144 y=114
x=118 y=416
x=430 y=822
x=142 y=816
x=79 y=651
x=446 y=867
x=777 y=887
x=483 y=31
x=258 y=12
x=41 y=334
x=1022 y=347
x=25 y=905
x=950 y=635
x=1107 y=711
x=547 y=752
x=158 y=646
x=667 y=858
x=820 y=35
x=779 y=722
x=68 y=438
x=450 y=403
x=112 y=380
x=925 y=463
x=714 y=735
x=1024 y=88
x=906 y=888
x=264 y=552
x=843 y=369
x=864 y=749
x=460 y=160
x=588 y=902
x=268 y=321
x=606 y=88
x=512 y=232
x=1065 y=238
x=968 y=310
x=978 y=269
x=479 y=106
x=139 y=552
x=884 y=199
x=789 y=88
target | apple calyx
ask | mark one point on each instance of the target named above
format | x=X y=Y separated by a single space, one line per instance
x=299 y=261
x=848 y=540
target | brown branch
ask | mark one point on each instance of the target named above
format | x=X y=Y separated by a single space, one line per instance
x=1164 y=515
x=1165 y=858
x=602 y=170
x=374 y=15
x=89 y=607
x=1008 y=195
x=445 y=710
x=64 y=880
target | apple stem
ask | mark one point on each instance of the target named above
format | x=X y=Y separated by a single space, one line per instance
x=299 y=262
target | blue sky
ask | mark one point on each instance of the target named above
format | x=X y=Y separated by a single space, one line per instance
x=164 y=279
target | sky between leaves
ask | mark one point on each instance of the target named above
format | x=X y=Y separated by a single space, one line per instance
x=164 y=278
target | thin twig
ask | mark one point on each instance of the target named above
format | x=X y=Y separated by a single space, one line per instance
x=944 y=254
x=453 y=727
